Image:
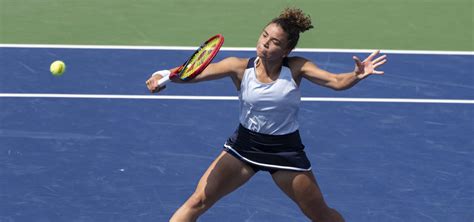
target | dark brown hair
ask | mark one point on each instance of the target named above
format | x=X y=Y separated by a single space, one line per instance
x=293 y=21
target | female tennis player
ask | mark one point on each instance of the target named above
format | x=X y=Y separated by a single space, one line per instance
x=267 y=138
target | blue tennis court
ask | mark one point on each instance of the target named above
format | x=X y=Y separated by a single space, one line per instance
x=70 y=157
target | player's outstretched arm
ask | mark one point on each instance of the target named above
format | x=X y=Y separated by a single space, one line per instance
x=342 y=81
x=228 y=67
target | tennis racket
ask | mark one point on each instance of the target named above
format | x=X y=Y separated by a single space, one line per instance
x=196 y=63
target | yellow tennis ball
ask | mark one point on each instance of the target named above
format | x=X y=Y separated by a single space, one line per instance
x=57 y=68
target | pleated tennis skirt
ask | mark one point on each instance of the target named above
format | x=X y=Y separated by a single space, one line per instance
x=268 y=152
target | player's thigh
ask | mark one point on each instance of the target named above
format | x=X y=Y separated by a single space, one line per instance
x=224 y=175
x=301 y=187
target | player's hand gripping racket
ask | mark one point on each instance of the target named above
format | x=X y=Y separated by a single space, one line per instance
x=197 y=62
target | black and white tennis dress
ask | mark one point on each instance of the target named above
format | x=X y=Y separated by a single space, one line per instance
x=267 y=137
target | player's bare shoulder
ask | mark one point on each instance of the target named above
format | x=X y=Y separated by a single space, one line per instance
x=296 y=64
x=236 y=67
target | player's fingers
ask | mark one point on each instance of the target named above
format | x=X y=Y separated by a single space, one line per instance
x=149 y=85
x=357 y=61
x=380 y=63
x=154 y=85
x=371 y=56
x=157 y=89
x=378 y=72
x=380 y=58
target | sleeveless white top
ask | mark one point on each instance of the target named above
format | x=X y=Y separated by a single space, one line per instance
x=269 y=108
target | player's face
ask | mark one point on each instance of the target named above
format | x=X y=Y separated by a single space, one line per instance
x=272 y=43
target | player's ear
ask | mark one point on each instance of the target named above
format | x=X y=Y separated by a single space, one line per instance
x=287 y=50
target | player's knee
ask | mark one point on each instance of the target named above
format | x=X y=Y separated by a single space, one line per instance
x=196 y=202
x=199 y=201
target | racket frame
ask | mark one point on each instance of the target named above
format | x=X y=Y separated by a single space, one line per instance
x=180 y=71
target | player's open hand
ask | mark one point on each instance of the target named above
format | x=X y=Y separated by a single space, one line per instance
x=368 y=66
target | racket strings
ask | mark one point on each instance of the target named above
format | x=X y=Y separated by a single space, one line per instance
x=203 y=54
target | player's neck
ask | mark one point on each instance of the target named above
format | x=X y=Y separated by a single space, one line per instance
x=269 y=68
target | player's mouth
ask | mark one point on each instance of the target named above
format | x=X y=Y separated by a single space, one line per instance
x=261 y=51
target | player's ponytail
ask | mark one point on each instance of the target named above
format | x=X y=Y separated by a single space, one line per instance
x=293 y=21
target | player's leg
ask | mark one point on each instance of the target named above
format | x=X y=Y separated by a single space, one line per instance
x=223 y=176
x=302 y=188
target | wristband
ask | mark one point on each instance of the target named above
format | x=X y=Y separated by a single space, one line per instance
x=162 y=73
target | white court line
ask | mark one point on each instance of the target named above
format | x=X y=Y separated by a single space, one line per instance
x=228 y=98
x=312 y=99
x=390 y=51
